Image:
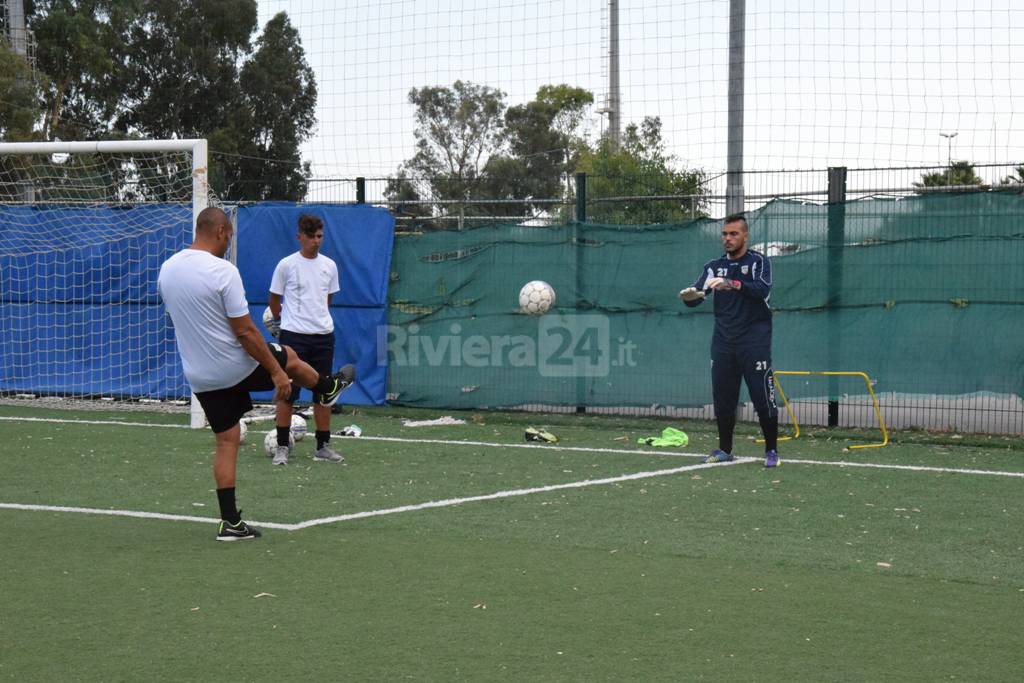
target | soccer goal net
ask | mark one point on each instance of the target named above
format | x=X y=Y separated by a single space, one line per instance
x=84 y=227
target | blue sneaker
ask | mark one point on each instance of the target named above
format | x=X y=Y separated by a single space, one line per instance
x=718 y=455
x=771 y=459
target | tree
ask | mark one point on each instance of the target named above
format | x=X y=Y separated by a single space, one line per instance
x=543 y=145
x=640 y=168
x=1017 y=178
x=181 y=66
x=279 y=95
x=81 y=47
x=19 y=113
x=19 y=109
x=959 y=173
x=178 y=68
x=469 y=146
x=457 y=131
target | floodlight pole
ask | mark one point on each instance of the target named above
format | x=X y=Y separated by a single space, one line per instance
x=734 y=200
x=614 y=96
x=949 y=155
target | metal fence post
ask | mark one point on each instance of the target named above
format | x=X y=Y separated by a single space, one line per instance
x=834 y=287
x=581 y=217
x=360 y=190
x=581 y=197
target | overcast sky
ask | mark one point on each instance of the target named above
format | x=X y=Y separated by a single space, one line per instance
x=828 y=82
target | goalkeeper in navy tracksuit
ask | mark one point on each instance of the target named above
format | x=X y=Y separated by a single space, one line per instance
x=741 y=347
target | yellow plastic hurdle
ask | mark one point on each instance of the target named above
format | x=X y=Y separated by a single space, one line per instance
x=796 y=425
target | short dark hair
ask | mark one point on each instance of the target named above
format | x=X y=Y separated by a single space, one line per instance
x=737 y=218
x=310 y=225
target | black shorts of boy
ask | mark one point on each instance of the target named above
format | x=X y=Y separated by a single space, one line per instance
x=315 y=349
x=225 y=407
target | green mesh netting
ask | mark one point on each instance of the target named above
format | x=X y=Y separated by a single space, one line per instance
x=924 y=294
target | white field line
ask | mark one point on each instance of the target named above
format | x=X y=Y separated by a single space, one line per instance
x=515 y=492
x=378 y=513
x=129 y=513
x=912 y=468
x=582 y=449
x=470 y=499
x=531 y=446
x=50 y=420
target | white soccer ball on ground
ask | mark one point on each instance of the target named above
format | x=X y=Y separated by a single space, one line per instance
x=270 y=442
x=536 y=297
x=243 y=429
x=298 y=427
x=272 y=324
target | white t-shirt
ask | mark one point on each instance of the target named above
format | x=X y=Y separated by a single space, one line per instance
x=201 y=292
x=305 y=283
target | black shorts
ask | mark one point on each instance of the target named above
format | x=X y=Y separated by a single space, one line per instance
x=315 y=349
x=225 y=407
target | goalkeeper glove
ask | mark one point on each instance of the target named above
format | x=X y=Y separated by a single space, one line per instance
x=691 y=294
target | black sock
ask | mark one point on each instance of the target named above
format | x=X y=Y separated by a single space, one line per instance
x=322 y=438
x=228 y=511
x=282 y=435
x=323 y=384
x=770 y=429
x=726 y=425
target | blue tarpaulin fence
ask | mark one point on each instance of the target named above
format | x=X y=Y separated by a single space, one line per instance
x=81 y=315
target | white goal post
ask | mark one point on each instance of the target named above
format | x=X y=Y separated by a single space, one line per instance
x=53 y=262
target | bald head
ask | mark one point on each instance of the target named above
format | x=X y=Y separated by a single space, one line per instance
x=210 y=219
x=213 y=231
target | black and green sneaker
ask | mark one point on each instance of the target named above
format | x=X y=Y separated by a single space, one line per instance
x=236 y=532
x=342 y=380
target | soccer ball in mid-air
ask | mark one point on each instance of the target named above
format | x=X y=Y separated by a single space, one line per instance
x=298 y=427
x=272 y=324
x=536 y=297
x=270 y=442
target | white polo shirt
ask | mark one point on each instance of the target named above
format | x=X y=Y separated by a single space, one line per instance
x=305 y=283
x=201 y=292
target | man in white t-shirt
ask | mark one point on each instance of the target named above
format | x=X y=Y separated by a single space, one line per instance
x=306 y=280
x=223 y=353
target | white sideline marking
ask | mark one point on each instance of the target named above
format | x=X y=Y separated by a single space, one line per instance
x=913 y=468
x=377 y=513
x=515 y=492
x=583 y=449
x=459 y=501
x=130 y=513
x=533 y=446
x=91 y=422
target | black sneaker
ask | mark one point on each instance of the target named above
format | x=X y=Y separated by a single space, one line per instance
x=237 y=532
x=342 y=379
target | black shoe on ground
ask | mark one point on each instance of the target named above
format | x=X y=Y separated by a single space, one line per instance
x=237 y=532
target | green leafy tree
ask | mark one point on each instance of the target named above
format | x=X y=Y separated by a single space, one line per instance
x=1017 y=178
x=279 y=111
x=543 y=144
x=19 y=96
x=81 y=47
x=469 y=146
x=959 y=173
x=182 y=68
x=457 y=131
x=640 y=168
x=20 y=111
